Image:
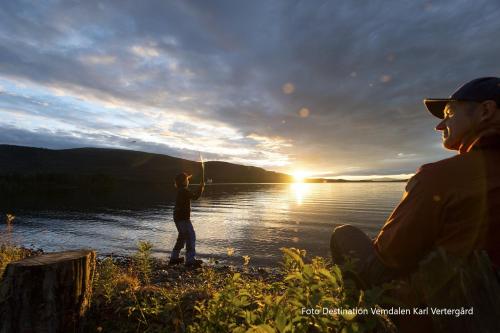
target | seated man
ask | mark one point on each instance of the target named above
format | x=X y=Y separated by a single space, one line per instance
x=453 y=204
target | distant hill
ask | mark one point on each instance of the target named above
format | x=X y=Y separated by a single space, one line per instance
x=126 y=165
x=39 y=178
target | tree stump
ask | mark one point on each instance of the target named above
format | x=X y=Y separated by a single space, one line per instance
x=47 y=293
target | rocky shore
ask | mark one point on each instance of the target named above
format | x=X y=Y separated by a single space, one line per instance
x=162 y=273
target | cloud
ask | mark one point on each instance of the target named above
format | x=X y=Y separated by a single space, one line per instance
x=145 y=51
x=234 y=80
x=98 y=59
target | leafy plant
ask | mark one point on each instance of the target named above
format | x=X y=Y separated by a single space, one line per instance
x=106 y=279
x=246 y=260
x=7 y=254
x=246 y=305
x=142 y=260
x=9 y=219
x=218 y=301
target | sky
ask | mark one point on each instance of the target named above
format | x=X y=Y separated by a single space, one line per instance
x=329 y=88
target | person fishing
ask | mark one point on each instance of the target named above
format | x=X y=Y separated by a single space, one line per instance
x=182 y=219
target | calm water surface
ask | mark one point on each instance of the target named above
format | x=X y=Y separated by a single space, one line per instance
x=253 y=219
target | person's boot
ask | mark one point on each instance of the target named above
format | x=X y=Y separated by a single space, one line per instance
x=174 y=262
x=195 y=263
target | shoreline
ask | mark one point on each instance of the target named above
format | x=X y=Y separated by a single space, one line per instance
x=142 y=293
x=161 y=272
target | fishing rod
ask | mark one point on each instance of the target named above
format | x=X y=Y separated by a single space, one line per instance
x=202 y=169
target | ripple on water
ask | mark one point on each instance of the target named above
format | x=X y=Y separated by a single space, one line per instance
x=255 y=220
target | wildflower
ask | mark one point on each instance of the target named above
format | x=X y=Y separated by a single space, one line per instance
x=9 y=218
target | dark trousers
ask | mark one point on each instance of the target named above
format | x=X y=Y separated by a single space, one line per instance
x=186 y=237
x=348 y=241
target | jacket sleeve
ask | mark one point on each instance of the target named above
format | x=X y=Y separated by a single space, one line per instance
x=412 y=228
x=195 y=195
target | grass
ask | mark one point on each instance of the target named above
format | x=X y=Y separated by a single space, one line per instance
x=209 y=300
x=8 y=254
x=142 y=261
x=142 y=297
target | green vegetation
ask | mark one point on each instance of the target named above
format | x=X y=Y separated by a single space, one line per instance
x=143 y=261
x=141 y=297
x=8 y=254
x=209 y=300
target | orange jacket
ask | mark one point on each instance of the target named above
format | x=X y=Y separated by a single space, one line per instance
x=453 y=204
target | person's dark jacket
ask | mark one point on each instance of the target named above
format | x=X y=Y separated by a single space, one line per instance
x=453 y=204
x=182 y=209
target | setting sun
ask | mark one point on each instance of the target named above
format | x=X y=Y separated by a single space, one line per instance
x=298 y=176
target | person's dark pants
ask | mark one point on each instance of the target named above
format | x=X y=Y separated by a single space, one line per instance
x=186 y=237
x=349 y=241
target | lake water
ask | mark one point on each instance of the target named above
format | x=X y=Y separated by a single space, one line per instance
x=253 y=219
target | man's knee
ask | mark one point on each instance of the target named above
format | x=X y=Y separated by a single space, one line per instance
x=335 y=243
x=347 y=240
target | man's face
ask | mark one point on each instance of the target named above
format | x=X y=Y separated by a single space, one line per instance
x=457 y=123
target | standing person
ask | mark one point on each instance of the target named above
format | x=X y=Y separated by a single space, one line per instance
x=182 y=219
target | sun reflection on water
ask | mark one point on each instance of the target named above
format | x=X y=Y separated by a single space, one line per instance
x=300 y=190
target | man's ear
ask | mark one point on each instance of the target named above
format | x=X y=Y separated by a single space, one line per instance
x=488 y=111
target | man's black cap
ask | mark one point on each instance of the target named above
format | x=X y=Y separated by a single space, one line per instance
x=478 y=90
